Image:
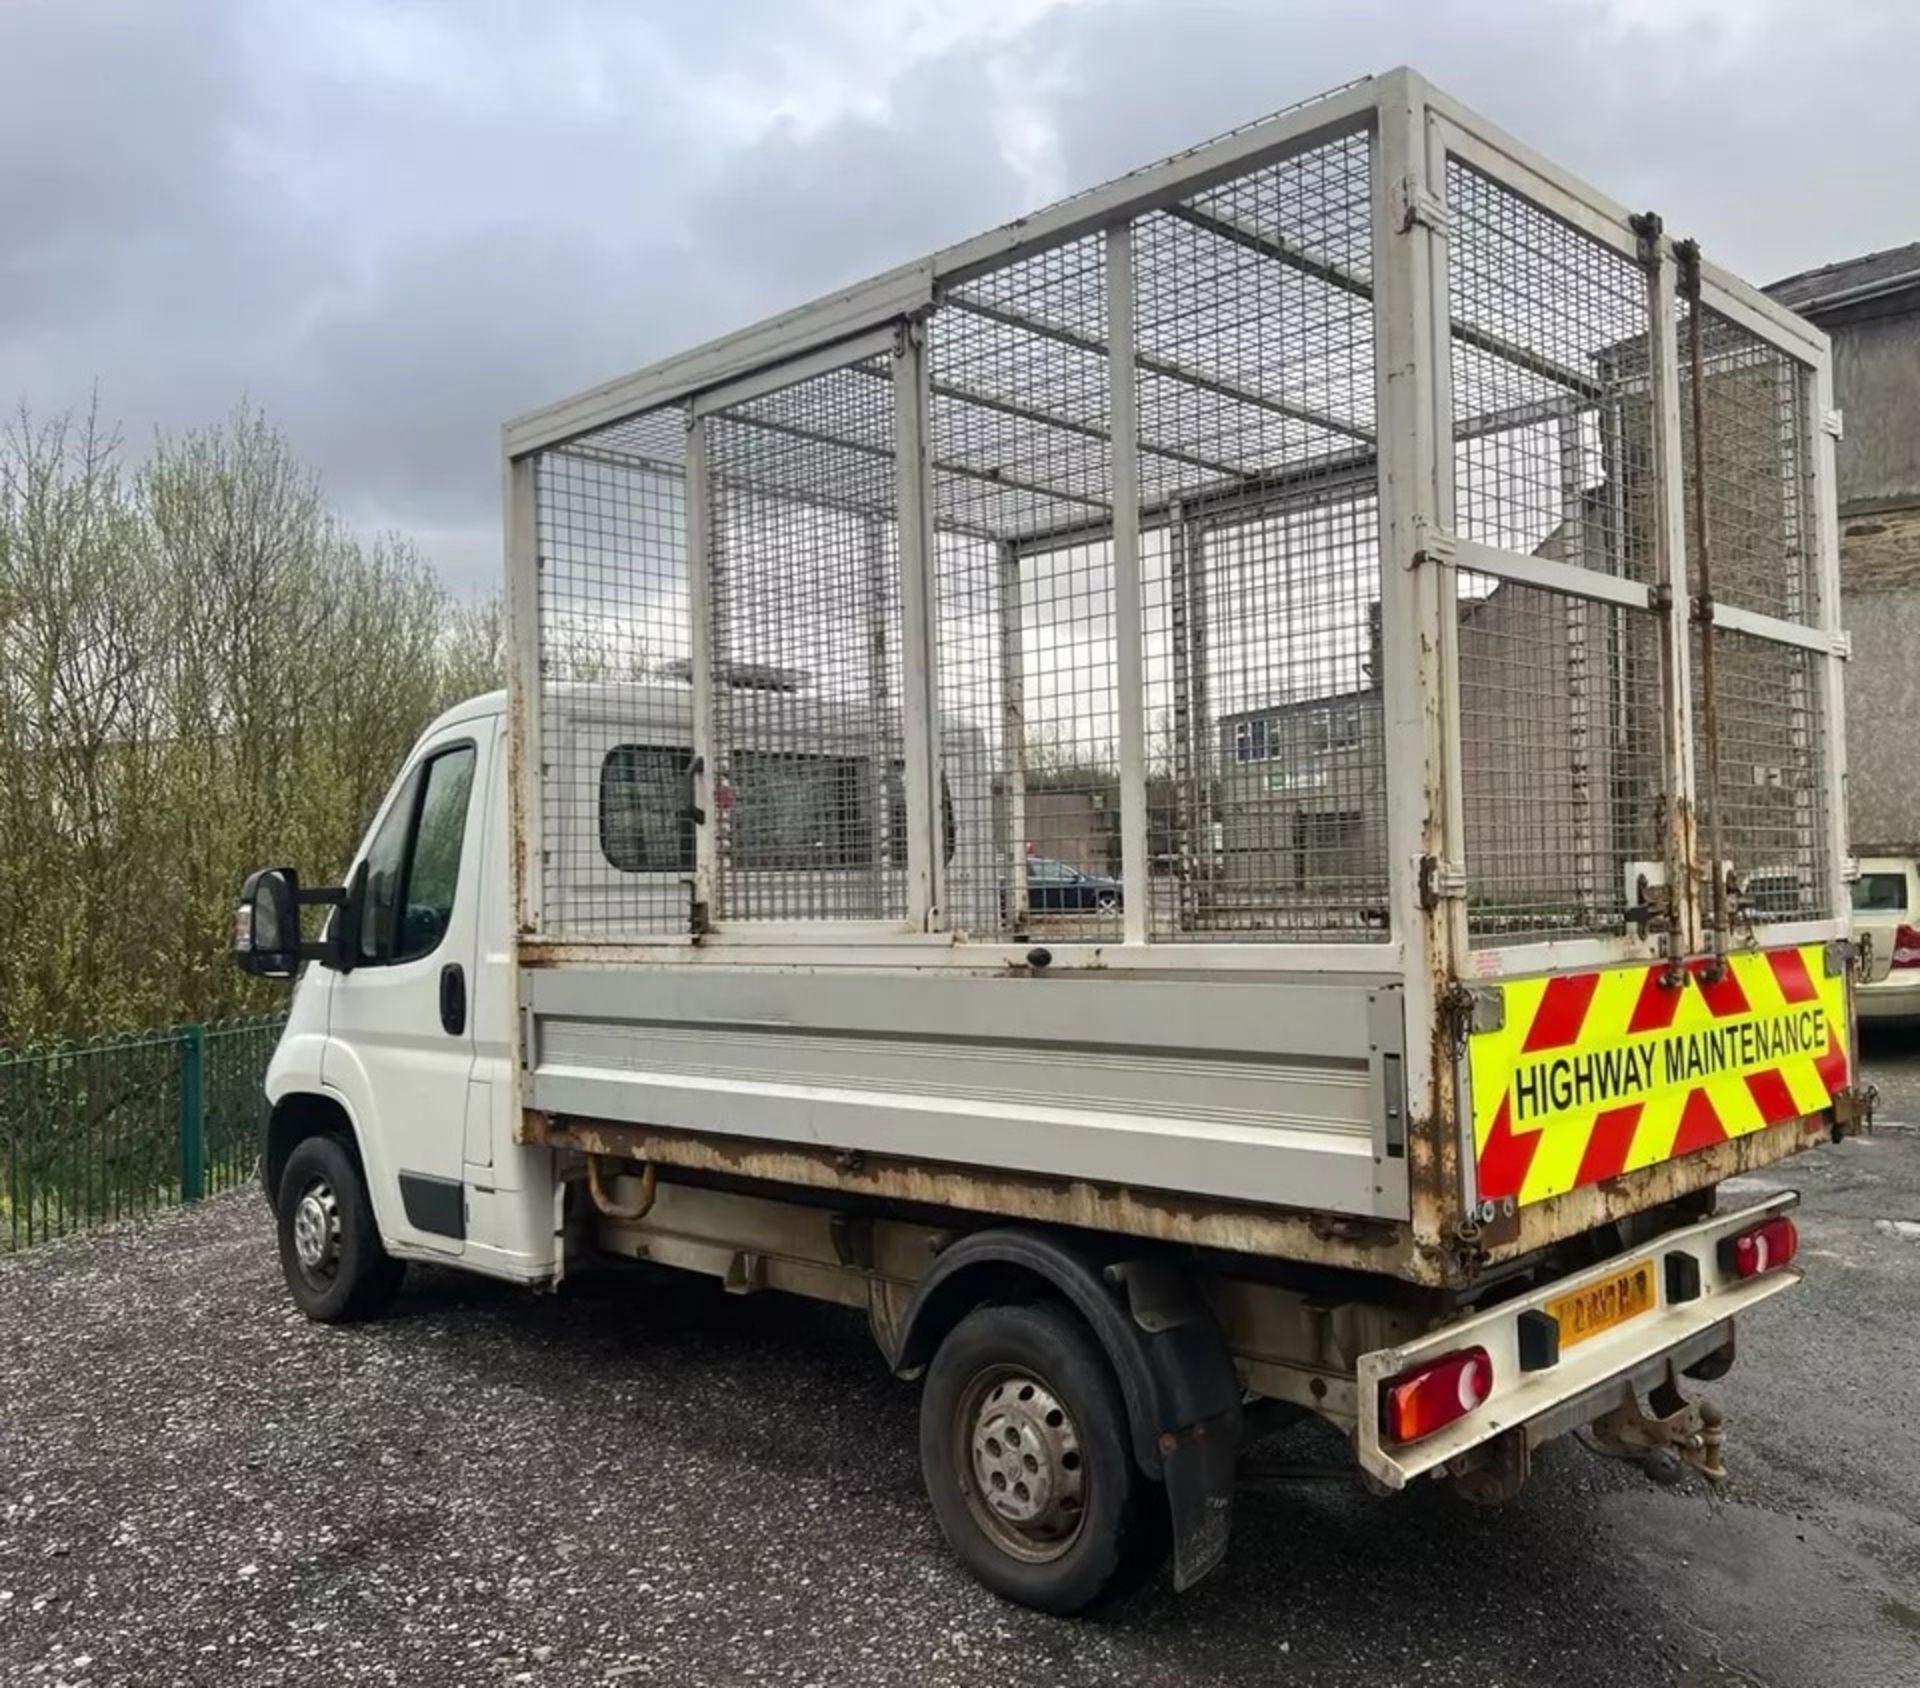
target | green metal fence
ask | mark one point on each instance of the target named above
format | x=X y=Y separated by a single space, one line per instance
x=92 y=1132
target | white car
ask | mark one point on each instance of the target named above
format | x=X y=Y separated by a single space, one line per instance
x=1886 y=927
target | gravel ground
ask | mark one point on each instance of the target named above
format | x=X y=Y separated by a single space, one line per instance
x=655 y=1483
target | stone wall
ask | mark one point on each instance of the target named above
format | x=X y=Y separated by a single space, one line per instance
x=1880 y=570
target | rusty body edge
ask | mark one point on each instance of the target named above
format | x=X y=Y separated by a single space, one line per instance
x=1276 y=1233
x=1590 y=1205
x=1237 y=1228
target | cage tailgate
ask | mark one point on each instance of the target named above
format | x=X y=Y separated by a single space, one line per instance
x=1581 y=1077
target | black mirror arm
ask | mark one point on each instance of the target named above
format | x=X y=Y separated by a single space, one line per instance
x=338 y=947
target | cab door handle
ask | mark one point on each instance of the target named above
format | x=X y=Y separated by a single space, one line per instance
x=453 y=999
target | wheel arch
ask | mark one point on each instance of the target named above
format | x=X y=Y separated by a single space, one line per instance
x=301 y=1114
x=1167 y=1351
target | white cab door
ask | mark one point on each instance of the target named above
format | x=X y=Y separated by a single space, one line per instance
x=400 y=1046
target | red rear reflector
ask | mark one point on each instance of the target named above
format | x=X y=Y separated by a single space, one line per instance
x=1417 y=1403
x=1906 y=947
x=1764 y=1248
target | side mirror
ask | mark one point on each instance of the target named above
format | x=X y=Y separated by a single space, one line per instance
x=266 y=924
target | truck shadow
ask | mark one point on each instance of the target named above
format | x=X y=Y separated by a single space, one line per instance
x=792 y=1391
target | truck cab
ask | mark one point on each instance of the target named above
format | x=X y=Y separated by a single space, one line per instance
x=400 y=1032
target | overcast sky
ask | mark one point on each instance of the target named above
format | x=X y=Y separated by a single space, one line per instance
x=395 y=224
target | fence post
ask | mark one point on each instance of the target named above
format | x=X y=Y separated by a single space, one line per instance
x=193 y=1112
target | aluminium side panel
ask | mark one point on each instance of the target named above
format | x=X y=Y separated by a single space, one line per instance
x=1260 y=1093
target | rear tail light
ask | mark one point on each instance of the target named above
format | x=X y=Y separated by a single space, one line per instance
x=1906 y=947
x=1763 y=1249
x=1417 y=1403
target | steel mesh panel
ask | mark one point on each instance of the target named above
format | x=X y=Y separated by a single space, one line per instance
x=615 y=706
x=1254 y=329
x=1022 y=493
x=1746 y=462
x=1561 y=699
x=1755 y=466
x=1293 y=673
x=1561 y=764
x=1549 y=369
x=804 y=567
x=1771 y=788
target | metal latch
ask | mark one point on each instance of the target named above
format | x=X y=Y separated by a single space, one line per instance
x=1419 y=207
x=1843 y=645
x=1440 y=880
x=1834 y=422
x=1431 y=544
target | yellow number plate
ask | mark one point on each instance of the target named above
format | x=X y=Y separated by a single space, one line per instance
x=1615 y=1299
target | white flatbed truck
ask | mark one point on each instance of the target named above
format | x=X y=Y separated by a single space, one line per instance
x=1403 y=580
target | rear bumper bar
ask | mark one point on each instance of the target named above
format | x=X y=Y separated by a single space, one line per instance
x=1587 y=1379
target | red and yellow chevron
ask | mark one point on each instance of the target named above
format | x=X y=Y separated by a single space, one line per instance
x=1596 y=1074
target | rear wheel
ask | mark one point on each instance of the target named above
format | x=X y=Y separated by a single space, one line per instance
x=330 y=1249
x=1024 y=1448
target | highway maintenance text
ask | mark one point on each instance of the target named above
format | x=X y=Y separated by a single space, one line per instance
x=1573 y=1079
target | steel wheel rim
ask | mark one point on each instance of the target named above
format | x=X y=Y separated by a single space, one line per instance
x=316 y=1232
x=1021 y=1466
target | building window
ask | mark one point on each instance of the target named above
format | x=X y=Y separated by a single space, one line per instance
x=1332 y=728
x=1250 y=741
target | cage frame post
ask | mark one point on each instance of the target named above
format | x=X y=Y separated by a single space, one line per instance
x=1420 y=705
x=1130 y=689
x=526 y=739
x=920 y=715
x=1013 y=720
x=1578 y=620
x=919 y=638
x=704 y=787
x=1672 y=585
x=1179 y=607
x=1832 y=686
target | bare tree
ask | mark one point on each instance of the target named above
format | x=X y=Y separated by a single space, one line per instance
x=201 y=669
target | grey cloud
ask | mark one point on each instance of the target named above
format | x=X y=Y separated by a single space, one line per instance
x=393 y=226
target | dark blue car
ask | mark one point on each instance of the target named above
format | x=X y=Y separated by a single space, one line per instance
x=1055 y=887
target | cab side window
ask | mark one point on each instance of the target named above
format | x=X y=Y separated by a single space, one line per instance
x=413 y=864
x=386 y=867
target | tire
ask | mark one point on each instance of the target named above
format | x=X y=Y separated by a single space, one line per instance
x=330 y=1251
x=1017 y=1392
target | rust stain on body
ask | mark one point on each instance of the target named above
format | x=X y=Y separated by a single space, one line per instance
x=1236 y=1228
x=1399 y=1251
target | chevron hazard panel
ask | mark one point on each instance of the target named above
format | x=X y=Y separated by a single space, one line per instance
x=1596 y=1074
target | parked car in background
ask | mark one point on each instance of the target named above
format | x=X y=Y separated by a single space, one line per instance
x=1055 y=887
x=1886 y=927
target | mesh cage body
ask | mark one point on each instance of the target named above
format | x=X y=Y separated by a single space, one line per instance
x=887 y=672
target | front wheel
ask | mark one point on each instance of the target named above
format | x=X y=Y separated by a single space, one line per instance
x=330 y=1249
x=1025 y=1452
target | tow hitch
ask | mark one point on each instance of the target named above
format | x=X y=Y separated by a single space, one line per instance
x=1693 y=1430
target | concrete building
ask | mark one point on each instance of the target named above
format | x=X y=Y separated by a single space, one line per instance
x=1560 y=778
x=1871 y=308
x=1550 y=774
